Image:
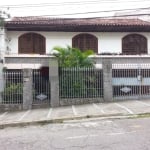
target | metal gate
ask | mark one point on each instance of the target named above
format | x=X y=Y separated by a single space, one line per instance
x=11 y=87
x=131 y=81
x=76 y=82
x=41 y=88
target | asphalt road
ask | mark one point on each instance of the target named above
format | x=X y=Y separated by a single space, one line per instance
x=124 y=134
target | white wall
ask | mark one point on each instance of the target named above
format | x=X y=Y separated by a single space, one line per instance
x=2 y=42
x=107 y=41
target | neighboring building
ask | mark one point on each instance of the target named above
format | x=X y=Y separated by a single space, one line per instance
x=35 y=35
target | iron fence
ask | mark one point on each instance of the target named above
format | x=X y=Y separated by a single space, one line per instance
x=41 y=87
x=78 y=82
x=11 y=87
x=129 y=78
x=131 y=81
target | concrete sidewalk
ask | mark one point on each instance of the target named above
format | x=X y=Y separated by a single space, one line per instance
x=60 y=114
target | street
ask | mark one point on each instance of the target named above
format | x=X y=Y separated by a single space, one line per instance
x=90 y=134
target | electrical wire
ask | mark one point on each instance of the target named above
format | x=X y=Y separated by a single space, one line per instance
x=69 y=3
x=44 y=5
x=94 y=12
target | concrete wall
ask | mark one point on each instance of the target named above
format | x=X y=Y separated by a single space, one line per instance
x=107 y=42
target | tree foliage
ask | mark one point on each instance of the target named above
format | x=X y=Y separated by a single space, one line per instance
x=73 y=57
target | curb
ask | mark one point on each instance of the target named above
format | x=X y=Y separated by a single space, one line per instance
x=62 y=120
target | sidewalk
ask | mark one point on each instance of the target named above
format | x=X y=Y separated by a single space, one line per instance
x=60 y=114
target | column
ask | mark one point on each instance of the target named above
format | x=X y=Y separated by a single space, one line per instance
x=107 y=80
x=1 y=81
x=27 y=89
x=54 y=82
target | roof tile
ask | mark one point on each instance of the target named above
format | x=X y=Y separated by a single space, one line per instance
x=76 y=21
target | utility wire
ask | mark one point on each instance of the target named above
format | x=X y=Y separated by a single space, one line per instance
x=40 y=5
x=94 y=12
x=78 y=13
x=68 y=3
x=81 y=4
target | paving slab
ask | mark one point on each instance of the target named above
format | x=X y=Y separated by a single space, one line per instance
x=112 y=108
x=136 y=107
x=36 y=114
x=3 y=116
x=50 y=115
x=61 y=112
x=146 y=101
x=88 y=109
x=11 y=116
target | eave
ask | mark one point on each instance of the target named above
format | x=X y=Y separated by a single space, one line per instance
x=78 y=28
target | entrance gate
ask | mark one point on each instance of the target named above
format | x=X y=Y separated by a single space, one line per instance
x=131 y=81
x=41 y=88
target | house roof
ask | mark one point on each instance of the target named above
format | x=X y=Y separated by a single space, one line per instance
x=77 y=24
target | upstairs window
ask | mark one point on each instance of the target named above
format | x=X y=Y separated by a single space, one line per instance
x=85 y=42
x=133 y=44
x=31 y=43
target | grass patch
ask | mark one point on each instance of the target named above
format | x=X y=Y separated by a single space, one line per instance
x=145 y=115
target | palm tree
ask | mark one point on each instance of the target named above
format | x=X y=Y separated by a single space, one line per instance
x=72 y=72
x=73 y=57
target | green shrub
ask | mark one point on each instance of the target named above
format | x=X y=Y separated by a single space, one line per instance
x=13 y=93
x=78 y=83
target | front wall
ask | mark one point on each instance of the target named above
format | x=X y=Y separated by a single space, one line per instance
x=107 y=42
x=2 y=42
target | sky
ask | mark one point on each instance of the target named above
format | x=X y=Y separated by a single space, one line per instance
x=70 y=8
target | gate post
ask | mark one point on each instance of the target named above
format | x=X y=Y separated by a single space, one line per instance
x=107 y=80
x=54 y=82
x=2 y=49
x=1 y=81
x=27 y=89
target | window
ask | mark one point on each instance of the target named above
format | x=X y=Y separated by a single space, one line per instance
x=85 y=42
x=133 y=44
x=31 y=43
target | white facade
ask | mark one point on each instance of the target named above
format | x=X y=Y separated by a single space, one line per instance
x=107 y=41
x=2 y=42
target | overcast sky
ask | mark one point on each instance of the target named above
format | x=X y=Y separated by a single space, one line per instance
x=70 y=8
